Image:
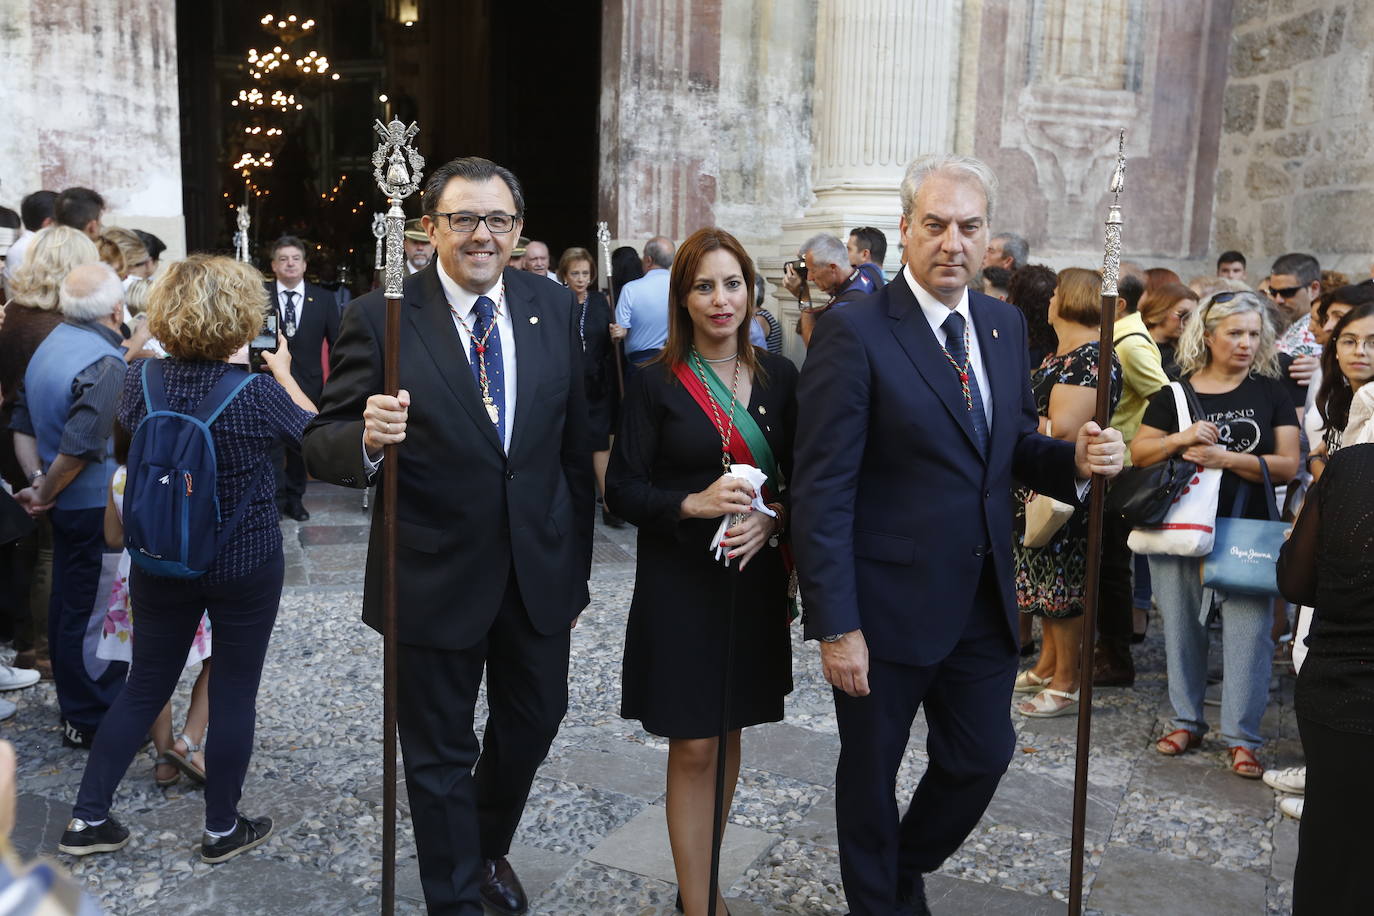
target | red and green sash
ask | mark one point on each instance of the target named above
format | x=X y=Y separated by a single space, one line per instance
x=748 y=445
x=747 y=442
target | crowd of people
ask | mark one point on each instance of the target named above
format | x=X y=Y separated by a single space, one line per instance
x=961 y=385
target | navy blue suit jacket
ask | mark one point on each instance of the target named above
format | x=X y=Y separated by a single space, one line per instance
x=895 y=509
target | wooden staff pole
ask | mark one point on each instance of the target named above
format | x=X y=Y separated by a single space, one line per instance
x=1111 y=267
x=396 y=166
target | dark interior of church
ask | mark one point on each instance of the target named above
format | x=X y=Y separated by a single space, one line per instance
x=518 y=84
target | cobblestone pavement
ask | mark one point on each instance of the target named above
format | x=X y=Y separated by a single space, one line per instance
x=1165 y=836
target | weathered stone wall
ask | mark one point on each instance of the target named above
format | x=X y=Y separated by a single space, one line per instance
x=1054 y=81
x=706 y=115
x=1297 y=152
x=91 y=99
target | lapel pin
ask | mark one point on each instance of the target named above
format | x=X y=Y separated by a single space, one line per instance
x=994 y=333
x=534 y=319
x=762 y=409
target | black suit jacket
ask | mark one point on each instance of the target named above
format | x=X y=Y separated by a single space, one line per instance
x=468 y=513
x=318 y=322
x=895 y=509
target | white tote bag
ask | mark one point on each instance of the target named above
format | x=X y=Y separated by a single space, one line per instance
x=1188 y=529
x=1045 y=515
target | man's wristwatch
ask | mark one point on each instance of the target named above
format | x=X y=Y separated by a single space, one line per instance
x=834 y=637
x=37 y=474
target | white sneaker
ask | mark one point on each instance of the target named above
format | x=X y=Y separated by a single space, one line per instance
x=1292 y=807
x=7 y=710
x=15 y=678
x=1290 y=781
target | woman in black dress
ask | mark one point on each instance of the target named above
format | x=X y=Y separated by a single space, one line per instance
x=576 y=269
x=708 y=387
x=1326 y=564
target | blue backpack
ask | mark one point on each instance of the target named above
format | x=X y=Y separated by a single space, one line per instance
x=171 y=497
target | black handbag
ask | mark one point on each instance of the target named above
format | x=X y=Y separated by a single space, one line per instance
x=1142 y=496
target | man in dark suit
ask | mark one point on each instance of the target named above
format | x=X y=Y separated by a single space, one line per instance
x=308 y=315
x=494 y=520
x=915 y=415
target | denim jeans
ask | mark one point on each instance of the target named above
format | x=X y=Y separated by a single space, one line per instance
x=166 y=615
x=1246 y=643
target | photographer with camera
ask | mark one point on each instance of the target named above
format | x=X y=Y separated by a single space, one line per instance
x=202 y=310
x=824 y=259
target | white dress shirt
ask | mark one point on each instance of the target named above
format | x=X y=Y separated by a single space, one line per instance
x=460 y=303
x=936 y=312
x=299 y=290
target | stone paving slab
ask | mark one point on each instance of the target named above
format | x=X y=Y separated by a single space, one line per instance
x=1044 y=803
x=641 y=846
x=539 y=870
x=630 y=769
x=328 y=535
x=266 y=888
x=1285 y=857
x=1134 y=882
x=954 y=897
x=791 y=751
x=38 y=824
x=1202 y=775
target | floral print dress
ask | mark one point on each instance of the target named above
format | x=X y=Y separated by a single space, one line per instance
x=117 y=635
x=1049 y=579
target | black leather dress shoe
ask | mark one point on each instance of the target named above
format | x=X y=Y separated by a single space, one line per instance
x=297 y=511
x=501 y=890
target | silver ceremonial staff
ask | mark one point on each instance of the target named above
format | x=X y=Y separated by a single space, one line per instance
x=1111 y=270
x=396 y=166
x=242 y=218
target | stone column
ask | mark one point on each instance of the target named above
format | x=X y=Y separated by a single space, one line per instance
x=886 y=80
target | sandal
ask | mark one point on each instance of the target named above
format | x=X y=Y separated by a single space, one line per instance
x=185 y=763
x=1172 y=746
x=162 y=761
x=1049 y=704
x=1244 y=763
x=1029 y=682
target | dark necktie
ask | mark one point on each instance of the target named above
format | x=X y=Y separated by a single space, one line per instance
x=289 y=313
x=486 y=356
x=954 y=346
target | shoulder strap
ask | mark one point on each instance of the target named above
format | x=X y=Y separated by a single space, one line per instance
x=154 y=391
x=1181 y=406
x=1132 y=334
x=219 y=396
x=1243 y=493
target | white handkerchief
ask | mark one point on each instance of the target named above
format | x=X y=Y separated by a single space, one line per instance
x=755 y=478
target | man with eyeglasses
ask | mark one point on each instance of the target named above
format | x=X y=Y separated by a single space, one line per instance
x=494 y=510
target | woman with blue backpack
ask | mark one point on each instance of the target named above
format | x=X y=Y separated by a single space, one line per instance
x=202 y=531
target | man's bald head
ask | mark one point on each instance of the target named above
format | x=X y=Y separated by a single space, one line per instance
x=537 y=257
x=658 y=253
x=90 y=292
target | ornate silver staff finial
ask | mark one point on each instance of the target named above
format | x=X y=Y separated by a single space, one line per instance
x=1111 y=260
x=396 y=166
x=603 y=240
x=242 y=218
x=379 y=233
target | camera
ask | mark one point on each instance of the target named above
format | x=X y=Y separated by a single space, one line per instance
x=266 y=340
x=798 y=267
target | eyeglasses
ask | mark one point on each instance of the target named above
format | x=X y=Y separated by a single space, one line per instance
x=1287 y=292
x=497 y=221
x=1351 y=342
